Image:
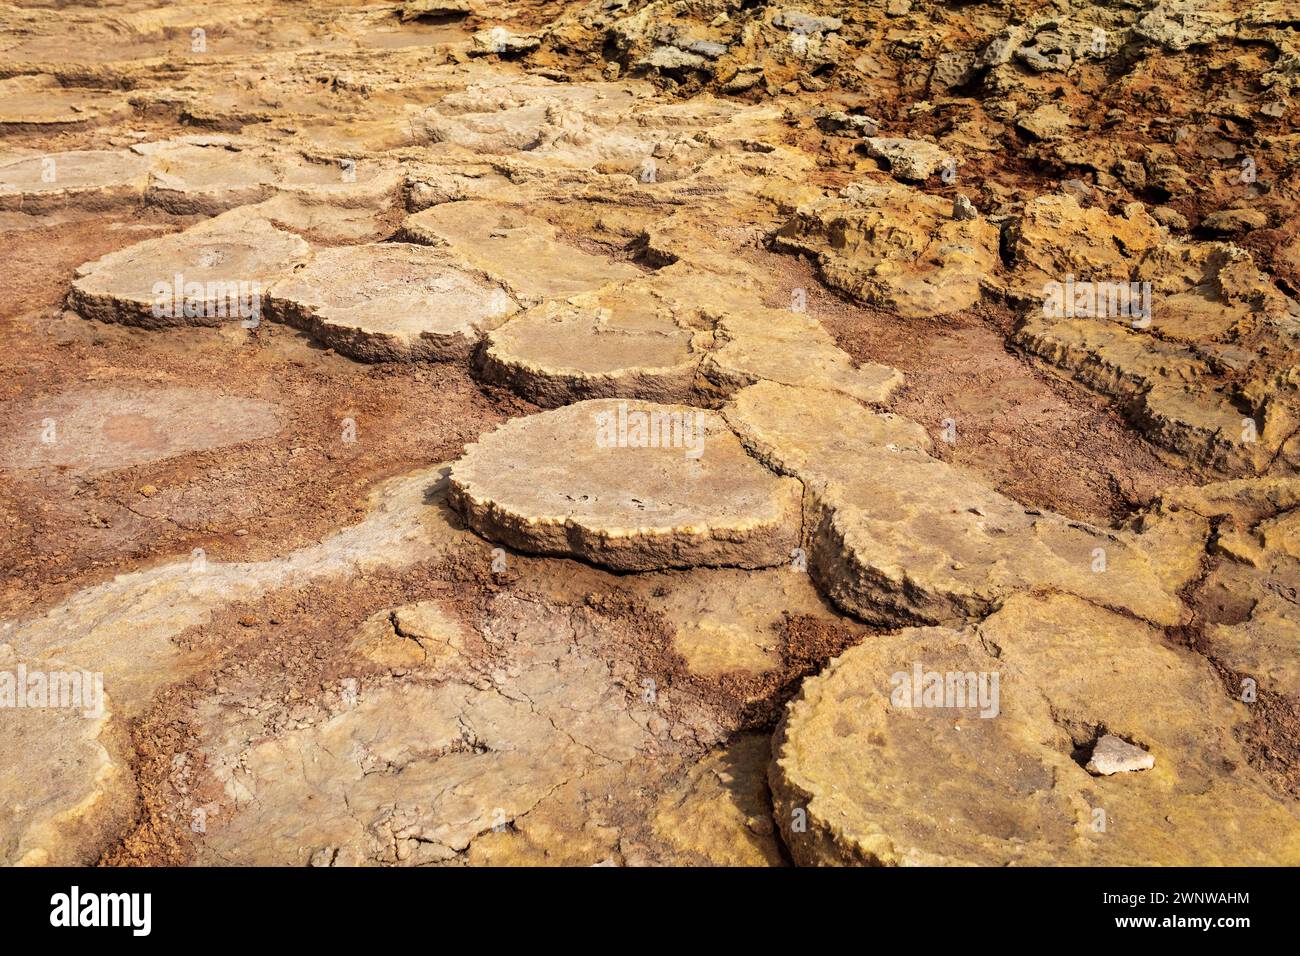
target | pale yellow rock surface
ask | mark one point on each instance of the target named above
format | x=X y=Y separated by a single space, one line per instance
x=562 y=124
x=67 y=789
x=1055 y=237
x=827 y=438
x=230 y=261
x=208 y=175
x=414 y=773
x=861 y=774
x=1201 y=371
x=721 y=620
x=574 y=825
x=1159 y=380
x=712 y=648
x=514 y=248
x=1252 y=593
x=740 y=608
x=203 y=175
x=720 y=814
x=398 y=690
x=124 y=627
x=424 y=634
x=650 y=498
x=896 y=536
x=790 y=348
x=94 y=179
x=42 y=103
x=623 y=341
x=408 y=775
x=1265 y=648
x=389 y=302
x=320 y=217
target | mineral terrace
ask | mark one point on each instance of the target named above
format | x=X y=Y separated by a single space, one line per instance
x=634 y=432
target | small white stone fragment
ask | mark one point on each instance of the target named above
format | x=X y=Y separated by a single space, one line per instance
x=1115 y=755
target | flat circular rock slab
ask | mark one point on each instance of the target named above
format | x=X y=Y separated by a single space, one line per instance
x=942 y=747
x=519 y=250
x=210 y=274
x=389 y=302
x=619 y=343
x=899 y=537
x=207 y=176
x=43 y=104
x=630 y=485
x=89 y=179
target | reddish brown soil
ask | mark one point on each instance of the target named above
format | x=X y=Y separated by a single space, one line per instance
x=65 y=530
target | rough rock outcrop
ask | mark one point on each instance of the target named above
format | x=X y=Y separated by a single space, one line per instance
x=895 y=247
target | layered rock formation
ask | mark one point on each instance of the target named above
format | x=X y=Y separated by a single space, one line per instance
x=481 y=433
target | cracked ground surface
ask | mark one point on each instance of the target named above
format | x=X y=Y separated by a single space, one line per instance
x=643 y=433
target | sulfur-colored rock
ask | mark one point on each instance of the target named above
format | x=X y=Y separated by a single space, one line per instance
x=499 y=40
x=730 y=620
x=712 y=648
x=436 y=9
x=514 y=248
x=389 y=302
x=758 y=344
x=720 y=813
x=1160 y=382
x=630 y=485
x=318 y=218
x=417 y=773
x=42 y=103
x=424 y=634
x=897 y=536
x=408 y=775
x=72 y=794
x=85 y=179
x=1196 y=366
x=862 y=764
x=1046 y=122
x=210 y=274
x=126 y=627
x=1055 y=238
x=622 y=342
x=1234 y=221
x=389 y=691
x=1179 y=24
x=1252 y=590
x=1265 y=648
x=208 y=175
x=895 y=247
x=68 y=789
